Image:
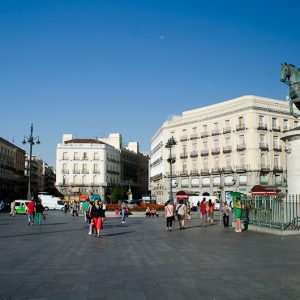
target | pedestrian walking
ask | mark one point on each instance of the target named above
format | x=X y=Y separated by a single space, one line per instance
x=39 y=210
x=225 y=213
x=188 y=211
x=169 y=214
x=74 y=209
x=124 y=209
x=246 y=208
x=85 y=207
x=97 y=216
x=89 y=217
x=66 y=207
x=181 y=213
x=104 y=210
x=12 y=208
x=210 y=211
x=30 y=212
x=238 y=213
x=203 y=212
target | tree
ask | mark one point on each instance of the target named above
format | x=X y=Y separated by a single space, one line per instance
x=118 y=193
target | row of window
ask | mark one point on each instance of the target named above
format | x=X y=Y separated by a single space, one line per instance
x=262 y=122
x=84 y=168
x=85 y=156
x=228 y=142
x=83 y=180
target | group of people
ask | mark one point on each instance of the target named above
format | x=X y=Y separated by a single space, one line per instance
x=151 y=212
x=206 y=210
x=34 y=210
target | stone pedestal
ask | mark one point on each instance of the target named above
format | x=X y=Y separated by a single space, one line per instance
x=292 y=149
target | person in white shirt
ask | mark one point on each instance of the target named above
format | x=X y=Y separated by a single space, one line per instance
x=181 y=213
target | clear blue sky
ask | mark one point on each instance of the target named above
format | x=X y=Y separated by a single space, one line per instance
x=94 y=67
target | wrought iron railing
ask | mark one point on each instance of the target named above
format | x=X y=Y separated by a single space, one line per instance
x=273 y=211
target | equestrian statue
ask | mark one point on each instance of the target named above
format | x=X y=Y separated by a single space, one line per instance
x=290 y=75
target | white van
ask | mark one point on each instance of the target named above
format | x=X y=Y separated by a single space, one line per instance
x=51 y=202
x=195 y=199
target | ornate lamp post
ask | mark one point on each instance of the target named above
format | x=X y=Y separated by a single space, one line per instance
x=170 y=143
x=31 y=140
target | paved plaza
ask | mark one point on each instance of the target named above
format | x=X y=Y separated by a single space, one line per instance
x=140 y=260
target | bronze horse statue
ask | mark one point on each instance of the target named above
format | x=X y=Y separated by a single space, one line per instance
x=290 y=75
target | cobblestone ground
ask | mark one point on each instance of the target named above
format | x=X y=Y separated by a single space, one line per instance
x=140 y=260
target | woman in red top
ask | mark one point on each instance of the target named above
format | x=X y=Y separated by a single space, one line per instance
x=203 y=213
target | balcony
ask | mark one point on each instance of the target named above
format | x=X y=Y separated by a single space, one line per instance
x=263 y=146
x=85 y=172
x=65 y=171
x=276 y=128
x=215 y=171
x=227 y=169
x=226 y=130
x=278 y=183
x=204 y=134
x=241 y=168
x=65 y=158
x=204 y=152
x=286 y=128
x=184 y=173
x=241 y=147
x=215 y=150
x=194 y=173
x=240 y=127
x=193 y=136
x=277 y=148
x=85 y=158
x=96 y=172
x=194 y=154
x=205 y=184
x=183 y=155
x=262 y=126
x=277 y=169
x=76 y=158
x=167 y=174
x=183 y=138
x=76 y=171
x=215 y=132
x=227 y=149
x=264 y=168
x=205 y=171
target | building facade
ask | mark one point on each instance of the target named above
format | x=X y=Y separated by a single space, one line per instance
x=85 y=166
x=37 y=176
x=12 y=165
x=225 y=147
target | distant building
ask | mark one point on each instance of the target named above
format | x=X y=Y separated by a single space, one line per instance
x=49 y=179
x=234 y=145
x=85 y=166
x=12 y=165
x=37 y=178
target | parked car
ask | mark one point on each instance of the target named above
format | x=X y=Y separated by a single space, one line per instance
x=21 y=206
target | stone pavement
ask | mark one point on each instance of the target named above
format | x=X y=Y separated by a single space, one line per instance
x=140 y=260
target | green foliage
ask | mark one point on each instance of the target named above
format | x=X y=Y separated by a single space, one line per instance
x=118 y=193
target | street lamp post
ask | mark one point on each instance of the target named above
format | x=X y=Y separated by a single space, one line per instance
x=170 y=143
x=31 y=140
x=221 y=187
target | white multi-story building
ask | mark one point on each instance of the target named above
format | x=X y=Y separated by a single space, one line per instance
x=225 y=147
x=86 y=166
